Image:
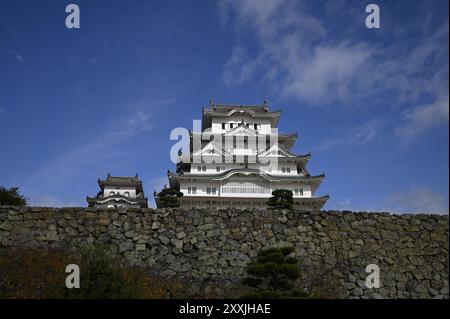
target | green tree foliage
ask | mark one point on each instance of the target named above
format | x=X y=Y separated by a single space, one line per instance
x=281 y=199
x=273 y=274
x=11 y=196
x=169 y=197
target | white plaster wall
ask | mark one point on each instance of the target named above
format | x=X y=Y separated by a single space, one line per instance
x=121 y=190
x=201 y=189
x=211 y=168
x=236 y=119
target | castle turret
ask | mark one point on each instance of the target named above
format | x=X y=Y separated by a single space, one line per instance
x=119 y=191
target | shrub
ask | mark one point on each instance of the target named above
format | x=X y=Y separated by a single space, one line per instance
x=273 y=274
x=32 y=273
x=39 y=273
x=281 y=199
x=169 y=197
x=11 y=196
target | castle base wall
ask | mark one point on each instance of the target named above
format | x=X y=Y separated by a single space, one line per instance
x=212 y=247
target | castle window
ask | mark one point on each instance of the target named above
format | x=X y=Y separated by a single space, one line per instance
x=194 y=190
x=283 y=169
x=208 y=190
x=218 y=168
x=255 y=126
x=127 y=194
x=204 y=168
x=199 y=168
x=296 y=191
x=223 y=126
x=301 y=191
x=213 y=190
x=231 y=125
x=111 y=194
x=189 y=190
x=288 y=170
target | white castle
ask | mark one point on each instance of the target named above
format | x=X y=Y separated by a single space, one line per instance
x=238 y=159
x=119 y=191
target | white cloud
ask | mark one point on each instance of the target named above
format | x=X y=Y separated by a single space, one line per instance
x=17 y=56
x=50 y=201
x=100 y=150
x=357 y=136
x=421 y=118
x=236 y=71
x=418 y=200
x=297 y=57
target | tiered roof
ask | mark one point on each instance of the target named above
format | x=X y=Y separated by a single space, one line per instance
x=131 y=181
x=261 y=111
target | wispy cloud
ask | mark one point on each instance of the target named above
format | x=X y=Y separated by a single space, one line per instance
x=101 y=149
x=50 y=201
x=299 y=57
x=356 y=136
x=236 y=71
x=311 y=64
x=17 y=56
x=419 y=119
x=418 y=200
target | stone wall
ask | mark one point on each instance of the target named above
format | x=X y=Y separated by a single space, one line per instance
x=212 y=248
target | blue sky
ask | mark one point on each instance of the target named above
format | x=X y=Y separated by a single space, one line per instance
x=372 y=105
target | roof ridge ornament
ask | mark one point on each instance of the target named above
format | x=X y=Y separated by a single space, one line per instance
x=212 y=104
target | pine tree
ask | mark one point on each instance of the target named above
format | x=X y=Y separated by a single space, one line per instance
x=281 y=199
x=169 y=197
x=11 y=196
x=273 y=274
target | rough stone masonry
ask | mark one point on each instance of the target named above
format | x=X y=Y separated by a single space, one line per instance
x=214 y=246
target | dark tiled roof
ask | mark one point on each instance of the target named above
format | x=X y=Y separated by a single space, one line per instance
x=122 y=179
x=246 y=170
x=227 y=108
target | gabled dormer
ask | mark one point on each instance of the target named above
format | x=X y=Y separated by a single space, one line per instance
x=276 y=150
x=242 y=129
